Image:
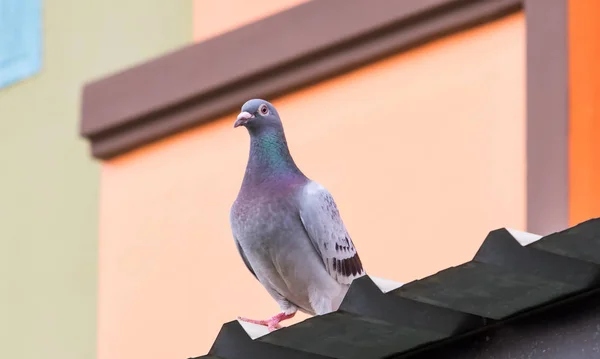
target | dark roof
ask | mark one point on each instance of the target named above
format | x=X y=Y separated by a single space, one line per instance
x=504 y=282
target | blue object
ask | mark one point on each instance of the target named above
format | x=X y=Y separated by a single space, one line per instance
x=20 y=40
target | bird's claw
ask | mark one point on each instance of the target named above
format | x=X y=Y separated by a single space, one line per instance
x=272 y=324
x=273 y=327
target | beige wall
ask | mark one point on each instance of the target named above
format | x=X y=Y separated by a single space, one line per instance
x=424 y=153
x=48 y=181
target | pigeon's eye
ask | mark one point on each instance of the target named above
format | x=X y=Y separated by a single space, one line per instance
x=263 y=109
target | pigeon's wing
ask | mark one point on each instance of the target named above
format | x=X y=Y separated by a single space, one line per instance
x=241 y=251
x=322 y=221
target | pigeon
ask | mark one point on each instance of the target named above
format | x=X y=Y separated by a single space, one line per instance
x=286 y=227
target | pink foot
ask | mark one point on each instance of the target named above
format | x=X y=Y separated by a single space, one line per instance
x=272 y=323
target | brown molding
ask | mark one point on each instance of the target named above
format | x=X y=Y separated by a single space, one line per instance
x=282 y=53
x=268 y=58
x=547 y=116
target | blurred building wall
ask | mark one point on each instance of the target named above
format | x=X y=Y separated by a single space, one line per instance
x=584 y=129
x=432 y=135
x=48 y=182
x=212 y=18
x=471 y=132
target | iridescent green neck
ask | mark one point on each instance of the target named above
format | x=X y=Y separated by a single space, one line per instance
x=269 y=156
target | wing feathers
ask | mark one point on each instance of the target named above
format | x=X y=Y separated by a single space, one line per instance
x=323 y=223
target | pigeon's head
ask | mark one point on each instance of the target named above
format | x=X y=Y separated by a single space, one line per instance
x=258 y=114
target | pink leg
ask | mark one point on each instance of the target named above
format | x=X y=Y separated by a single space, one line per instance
x=272 y=323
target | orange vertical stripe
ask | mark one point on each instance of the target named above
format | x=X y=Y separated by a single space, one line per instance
x=584 y=131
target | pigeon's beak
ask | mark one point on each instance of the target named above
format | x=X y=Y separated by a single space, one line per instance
x=242 y=119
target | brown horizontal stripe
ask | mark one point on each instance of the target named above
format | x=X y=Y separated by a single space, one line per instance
x=265 y=59
x=213 y=78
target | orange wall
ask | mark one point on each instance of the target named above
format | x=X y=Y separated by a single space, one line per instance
x=213 y=18
x=424 y=153
x=584 y=131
